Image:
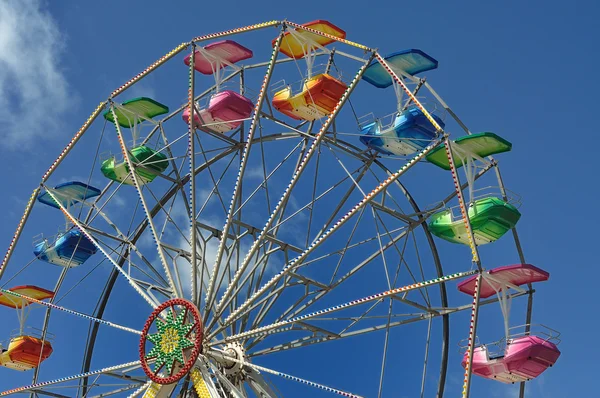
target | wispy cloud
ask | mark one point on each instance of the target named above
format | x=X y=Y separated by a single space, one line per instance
x=33 y=89
x=142 y=90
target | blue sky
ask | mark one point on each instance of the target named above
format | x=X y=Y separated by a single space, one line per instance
x=525 y=70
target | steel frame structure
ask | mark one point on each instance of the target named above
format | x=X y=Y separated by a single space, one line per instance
x=230 y=320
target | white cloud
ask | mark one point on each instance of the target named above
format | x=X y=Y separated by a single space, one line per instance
x=142 y=90
x=210 y=256
x=256 y=172
x=34 y=92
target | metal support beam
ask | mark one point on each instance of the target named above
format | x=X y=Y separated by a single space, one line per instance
x=472 y=335
x=212 y=289
x=297 y=173
x=192 y=154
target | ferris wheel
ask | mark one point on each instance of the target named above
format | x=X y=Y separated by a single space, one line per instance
x=252 y=228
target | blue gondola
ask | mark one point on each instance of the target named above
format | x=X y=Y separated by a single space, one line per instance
x=68 y=250
x=409 y=133
x=409 y=61
x=68 y=194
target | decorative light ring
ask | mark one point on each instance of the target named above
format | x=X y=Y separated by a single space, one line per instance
x=177 y=343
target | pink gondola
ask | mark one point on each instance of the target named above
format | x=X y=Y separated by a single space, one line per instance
x=225 y=112
x=525 y=358
x=218 y=55
x=517 y=274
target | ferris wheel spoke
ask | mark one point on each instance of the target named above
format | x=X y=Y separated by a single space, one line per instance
x=297 y=262
x=313 y=197
x=126 y=388
x=255 y=274
x=123 y=253
x=400 y=253
x=264 y=167
x=230 y=251
x=264 y=183
x=140 y=390
x=387 y=246
x=43 y=384
x=130 y=382
x=138 y=187
x=258 y=384
x=123 y=239
x=421 y=270
x=176 y=170
x=318 y=338
x=255 y=367
x=178 y=188
x=380 y=206
x=215 y=190
x=68 y=311
x=110 y=390
x=102 y=250
x=285 y=247
x=285 y=196
x=343 y=167
x=426 y=360
x=392 y=212
x=215 y=182
x=211 y=291
x=236 y=391
x=136 y=234
x=258 y=339
x=382 y=254
x=311 y=204
x=353 y=303
x=98 y=210
x=323 y=288
x=344 y=199
x=268 y=250
x=264 y=260
x=265 y=302
x=168 y=219
x=314 y=339
x=265 y=308
x=260 y=264
x=191 y=108
x=154 y=278
x=385 y=350
x=326 y=288
x=265 y=305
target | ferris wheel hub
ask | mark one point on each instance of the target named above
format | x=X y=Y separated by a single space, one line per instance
x=237 y=351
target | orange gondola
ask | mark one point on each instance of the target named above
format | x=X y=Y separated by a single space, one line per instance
x=24 y=351
x=318 y=98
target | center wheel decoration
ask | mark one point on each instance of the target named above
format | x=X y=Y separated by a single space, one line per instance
x=177 y=341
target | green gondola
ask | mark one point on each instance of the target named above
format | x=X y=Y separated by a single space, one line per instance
x=482 y=145
x=135 y=111
x=150 y=164
x=490 y=219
